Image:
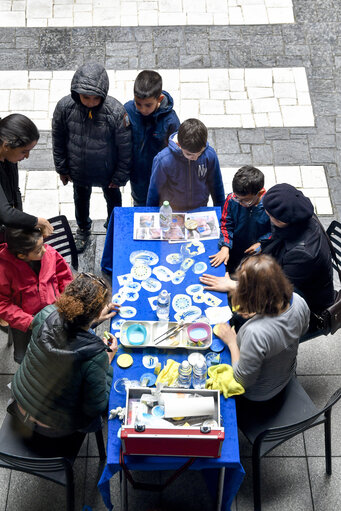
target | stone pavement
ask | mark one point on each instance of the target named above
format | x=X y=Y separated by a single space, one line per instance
x=264 y=75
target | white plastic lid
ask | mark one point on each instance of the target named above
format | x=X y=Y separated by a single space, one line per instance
x=185 y=364
x=166 y=203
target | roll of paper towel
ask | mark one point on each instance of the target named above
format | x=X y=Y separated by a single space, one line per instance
x=190 y=407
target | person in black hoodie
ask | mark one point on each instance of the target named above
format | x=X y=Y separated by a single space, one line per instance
x=92 y=146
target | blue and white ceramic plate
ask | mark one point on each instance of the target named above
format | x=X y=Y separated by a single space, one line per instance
x=144 y=256
x=178 y=277
x=175 y=258
x=127 y=312
x=119 y=297
x=131 y=295
x=189 y=315
x=199 y=267
x=116 y=325
x=193 y=289
x=141 y=271
x=151 y=285
x=181 y=302
x=163 y=273
x=132 y=286
x=186 y=264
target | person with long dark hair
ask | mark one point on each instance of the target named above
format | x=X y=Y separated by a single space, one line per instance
x=18 y=136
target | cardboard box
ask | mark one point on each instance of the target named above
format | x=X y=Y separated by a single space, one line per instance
x=140 y=438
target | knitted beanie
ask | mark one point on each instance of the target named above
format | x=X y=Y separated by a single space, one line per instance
x=287 y=204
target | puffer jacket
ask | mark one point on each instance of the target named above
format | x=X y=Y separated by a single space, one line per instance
x=93 y=146
x=150 y=136
x=303 y=252
x=65 y=378
x=184 y=183
x=23 y=293
x=241 y=227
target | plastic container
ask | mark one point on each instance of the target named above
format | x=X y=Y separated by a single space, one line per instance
x=163 y=303
x=165 y=216
x=199 y=374
x=185 y=375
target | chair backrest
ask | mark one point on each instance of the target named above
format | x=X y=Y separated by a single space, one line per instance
x=279 y=434
x=334 y=233
x=62 y=239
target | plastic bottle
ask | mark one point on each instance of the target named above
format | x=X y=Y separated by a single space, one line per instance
x=199 y=374
x=165 y=216
x=185 y=375
x=163 y=302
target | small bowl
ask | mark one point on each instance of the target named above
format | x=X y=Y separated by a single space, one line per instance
x=198 y=332
x=136 y=334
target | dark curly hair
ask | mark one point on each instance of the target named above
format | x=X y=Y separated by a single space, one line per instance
x=83 y=300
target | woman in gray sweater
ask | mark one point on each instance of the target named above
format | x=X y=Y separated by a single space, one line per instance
x=264 y=350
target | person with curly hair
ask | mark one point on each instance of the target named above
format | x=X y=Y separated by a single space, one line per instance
x=64 y=381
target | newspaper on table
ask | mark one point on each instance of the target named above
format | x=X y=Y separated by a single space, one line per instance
x=202 y=226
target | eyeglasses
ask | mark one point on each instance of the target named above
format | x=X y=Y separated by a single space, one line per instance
x=245 y=202
x=99 y=280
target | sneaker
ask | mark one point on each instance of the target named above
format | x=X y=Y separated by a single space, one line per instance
x=81 y=240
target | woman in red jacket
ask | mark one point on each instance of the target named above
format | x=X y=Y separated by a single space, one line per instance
x=32 y=275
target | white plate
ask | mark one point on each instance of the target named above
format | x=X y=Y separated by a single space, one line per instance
x=186 y=264
x=199 y=267
x=193 y=289
x=178 y=277
x=116 y=325
x=151 y=284
x=141 y=271
x=163 y=273
x=127 y=312
x=192 y=249
x=131 y=295
x=181 y=302
x=211 y=300
x=119 y=297
x=191 y=314
x=144 y=256
x=132 y=286
x=199 y=297
x=175 y=258
x=124 y=279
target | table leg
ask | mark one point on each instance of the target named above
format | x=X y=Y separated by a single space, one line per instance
x=123 y=491
x=221 y=478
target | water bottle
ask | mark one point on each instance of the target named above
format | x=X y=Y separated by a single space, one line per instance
x=185 y=375
x=199 y=374
x=163 y=302
x=165 y=216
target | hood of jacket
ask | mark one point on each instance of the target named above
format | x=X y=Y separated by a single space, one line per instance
x=55 y=338
x=176 y=150
x=91 y=79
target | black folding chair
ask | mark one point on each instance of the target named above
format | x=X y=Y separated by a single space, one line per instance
x=267 y=425
x=49 y=458
x=62 y=239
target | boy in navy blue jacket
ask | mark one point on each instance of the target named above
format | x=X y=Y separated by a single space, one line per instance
x=152 y=120
x=244 y=221
x=186 y=172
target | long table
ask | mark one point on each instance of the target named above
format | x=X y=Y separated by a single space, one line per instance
x=228 y=467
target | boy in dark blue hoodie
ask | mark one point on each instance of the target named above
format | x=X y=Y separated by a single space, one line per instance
x=152 y=120
x=187 y=172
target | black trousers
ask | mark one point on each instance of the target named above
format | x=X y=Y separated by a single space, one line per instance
x=81 y=197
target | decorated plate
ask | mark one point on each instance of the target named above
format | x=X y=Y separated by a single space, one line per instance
x=186 y=264
x=127 y=312
x=191 y=314
x=199 y=267
x=178 y=277
x=211 y=300
x=193 y=289
x=192 y=249
x=151 y=284
x=131 y=295
x=119 y=297
x=141 y=271
x=144 y=256
x=163 y=273
x=199 y=297
x=175 y=258
x=181 y=302
x=132 y=286
x=116 y=325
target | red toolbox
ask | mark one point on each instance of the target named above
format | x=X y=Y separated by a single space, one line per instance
x=139 y=435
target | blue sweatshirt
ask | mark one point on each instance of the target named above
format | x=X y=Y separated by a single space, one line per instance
x=150 y=136
x=184 y=183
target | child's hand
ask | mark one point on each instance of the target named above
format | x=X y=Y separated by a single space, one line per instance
x=254 y=249
x=220 y=257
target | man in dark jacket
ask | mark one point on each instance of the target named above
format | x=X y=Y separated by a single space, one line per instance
x=299 y=245
x=91 y=144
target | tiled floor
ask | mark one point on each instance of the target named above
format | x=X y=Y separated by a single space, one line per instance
x=69 y=13
x=220 y=98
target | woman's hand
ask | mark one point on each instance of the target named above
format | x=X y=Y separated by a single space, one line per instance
x=112 y=344
x=220 y=257
x=45 y=227
x=220 y=284
x=108 y=312
x=229 y=337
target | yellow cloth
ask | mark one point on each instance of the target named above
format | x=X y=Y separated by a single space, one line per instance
x=169 y=374
x=221 y=378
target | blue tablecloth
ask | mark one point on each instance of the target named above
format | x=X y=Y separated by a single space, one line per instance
x=121 y=244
